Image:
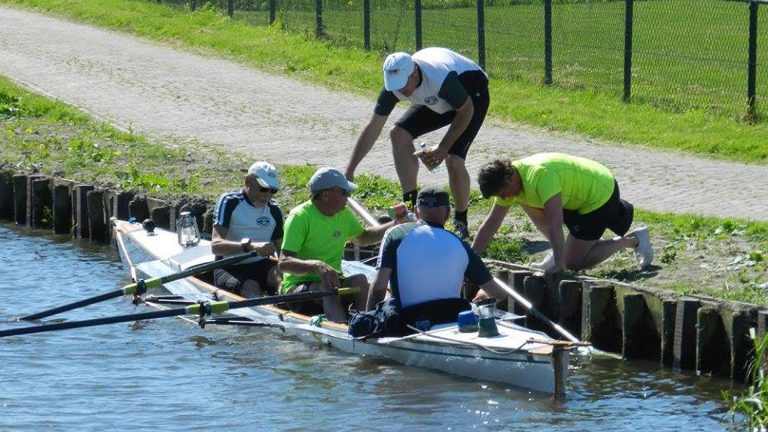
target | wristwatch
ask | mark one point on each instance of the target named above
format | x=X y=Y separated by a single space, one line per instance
x=245 y=243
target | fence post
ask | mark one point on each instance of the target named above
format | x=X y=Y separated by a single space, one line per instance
x=231 y=8
x=628 y=28
x=481 y=33
x=752 y=66
x=547 y=42
x=367 y=24
x=319 y=18
x=272 y=11
x=417 y=16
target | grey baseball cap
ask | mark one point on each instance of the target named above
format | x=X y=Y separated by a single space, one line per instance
x=326 y=178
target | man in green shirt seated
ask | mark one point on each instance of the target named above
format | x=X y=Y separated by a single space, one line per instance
x=314 y=237
x=556 y=189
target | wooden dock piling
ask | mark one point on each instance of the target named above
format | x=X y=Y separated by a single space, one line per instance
x=20 y=199
x=569 y=292
x=684 y=350
x=6 y=195
x=98 y=229
x=40 y=203
x=712 y=347
x=62 y=208
x=600 y=317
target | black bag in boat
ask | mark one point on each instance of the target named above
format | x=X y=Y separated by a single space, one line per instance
x=388 y=320
x=382 y=321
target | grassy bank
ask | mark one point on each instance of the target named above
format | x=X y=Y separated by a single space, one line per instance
x=320 y=62
x=719 y=257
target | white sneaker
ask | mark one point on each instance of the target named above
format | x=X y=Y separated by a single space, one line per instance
x=547 y=264
x=643 y=250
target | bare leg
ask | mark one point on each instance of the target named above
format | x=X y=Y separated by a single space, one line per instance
x=583 y=254
x=406 y=164
x=360 y=281
x=458 y=179
x=250 y=289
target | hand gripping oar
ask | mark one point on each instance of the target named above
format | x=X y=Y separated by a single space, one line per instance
x=141 y=286
x=201 y=309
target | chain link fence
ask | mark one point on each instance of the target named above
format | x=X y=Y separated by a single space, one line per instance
x=673 y=54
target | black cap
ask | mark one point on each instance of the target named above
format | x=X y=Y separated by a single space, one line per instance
x=433 y=197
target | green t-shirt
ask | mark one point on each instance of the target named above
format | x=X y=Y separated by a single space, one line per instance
x=313 y=235
x=583 y=184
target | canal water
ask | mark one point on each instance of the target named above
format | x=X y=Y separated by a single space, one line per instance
x=170 y=375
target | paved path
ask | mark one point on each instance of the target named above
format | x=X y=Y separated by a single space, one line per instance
x=165 y=93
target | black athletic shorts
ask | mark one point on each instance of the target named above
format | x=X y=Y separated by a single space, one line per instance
x=419 y=119
x=616 y=215
x=231 y=278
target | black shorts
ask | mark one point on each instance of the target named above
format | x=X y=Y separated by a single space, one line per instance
x=419 y=119
x=231 y=278
x=616 y=215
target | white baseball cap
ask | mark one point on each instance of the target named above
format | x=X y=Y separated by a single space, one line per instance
x=397 y=68
x=326 y=178
x=265 y=174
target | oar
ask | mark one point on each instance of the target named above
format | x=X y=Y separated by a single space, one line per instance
x=141 y=286
x=202 y=309
x=535 y=312
x=362 y=212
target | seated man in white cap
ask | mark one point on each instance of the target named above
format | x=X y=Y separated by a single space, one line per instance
x=445 y=89
x=244 y=221
x=313 y=247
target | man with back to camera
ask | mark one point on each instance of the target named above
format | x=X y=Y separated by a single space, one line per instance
x=425 y=266
x=445 y=89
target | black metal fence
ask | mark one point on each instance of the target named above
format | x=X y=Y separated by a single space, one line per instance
x=673 y=54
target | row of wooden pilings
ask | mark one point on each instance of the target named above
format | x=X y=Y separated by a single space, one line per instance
x=68 y=207
x=704 y=334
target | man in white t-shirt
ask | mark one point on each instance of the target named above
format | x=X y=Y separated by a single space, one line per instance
x=445 y=89
x=249 y=220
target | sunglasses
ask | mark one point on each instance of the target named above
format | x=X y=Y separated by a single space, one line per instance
x=341 y=191
x=265 y=190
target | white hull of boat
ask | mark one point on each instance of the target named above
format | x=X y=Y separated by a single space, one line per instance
x=518 y=356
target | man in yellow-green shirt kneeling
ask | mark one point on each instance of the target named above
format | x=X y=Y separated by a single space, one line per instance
x=556 y=189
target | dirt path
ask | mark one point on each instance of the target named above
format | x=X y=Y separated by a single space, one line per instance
x=165 y=93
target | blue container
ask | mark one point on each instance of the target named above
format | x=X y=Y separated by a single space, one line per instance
x=467 y=322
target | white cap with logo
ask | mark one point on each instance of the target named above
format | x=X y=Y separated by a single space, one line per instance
x=397 y=68
x=265 y=174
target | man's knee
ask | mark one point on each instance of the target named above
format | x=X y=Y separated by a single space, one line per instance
x=400 y=136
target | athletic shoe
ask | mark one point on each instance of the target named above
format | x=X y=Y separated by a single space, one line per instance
x=643 y=250
x=547 y=264
x=460 y=229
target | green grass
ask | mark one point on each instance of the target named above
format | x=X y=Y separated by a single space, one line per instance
x=332 y=62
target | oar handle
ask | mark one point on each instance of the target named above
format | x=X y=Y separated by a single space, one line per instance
x=141 y=286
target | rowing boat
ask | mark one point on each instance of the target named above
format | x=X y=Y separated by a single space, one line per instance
x=517 y=356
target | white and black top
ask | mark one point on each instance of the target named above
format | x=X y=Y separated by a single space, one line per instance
x=428 y=263
x=235 y=212
x=446 y=80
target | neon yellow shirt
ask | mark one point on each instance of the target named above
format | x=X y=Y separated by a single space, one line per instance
x=583 y=184
x=313 y=235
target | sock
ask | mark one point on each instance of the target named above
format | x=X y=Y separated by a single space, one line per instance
x=461 y=216
x=409 y=198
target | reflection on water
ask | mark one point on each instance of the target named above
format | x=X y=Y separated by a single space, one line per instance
x=171 y=375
